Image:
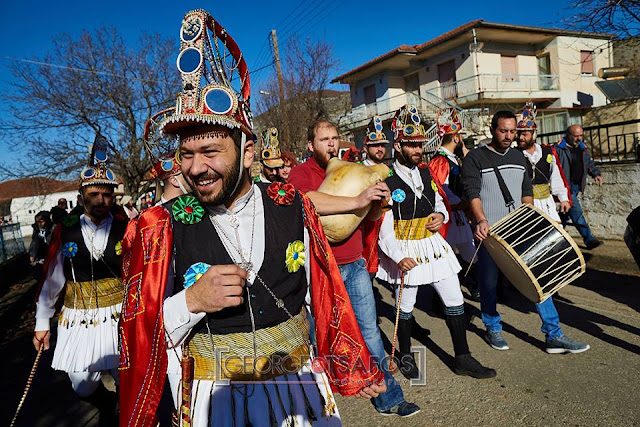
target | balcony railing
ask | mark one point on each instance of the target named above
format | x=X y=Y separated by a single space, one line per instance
x=499 y=83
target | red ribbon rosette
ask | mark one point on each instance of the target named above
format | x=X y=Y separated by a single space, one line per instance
x=281 y=193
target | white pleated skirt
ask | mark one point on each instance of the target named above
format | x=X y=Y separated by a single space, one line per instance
x=220 y=404
x=436 y=261
x=547 y=206
x=87 y=340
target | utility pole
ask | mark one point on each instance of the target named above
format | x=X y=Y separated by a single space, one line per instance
x=276 y=55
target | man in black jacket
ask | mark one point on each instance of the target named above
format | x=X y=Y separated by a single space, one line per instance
x=576 y=164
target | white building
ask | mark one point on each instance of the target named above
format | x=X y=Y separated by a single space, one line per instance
x=482 y=67
x=22 y=199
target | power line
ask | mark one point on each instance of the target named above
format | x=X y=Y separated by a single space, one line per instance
x=288 y=29
x=327 y=9
x=290 y=13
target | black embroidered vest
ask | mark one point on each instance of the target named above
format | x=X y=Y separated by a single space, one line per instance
x=541 y=174
x=405 y=209
x=200 y=242
x=110 y=264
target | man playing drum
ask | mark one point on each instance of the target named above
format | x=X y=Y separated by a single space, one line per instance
x=415 y=253
x=546 y=175
x=492 y=196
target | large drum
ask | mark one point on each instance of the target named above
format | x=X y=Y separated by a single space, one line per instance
x=534 y=253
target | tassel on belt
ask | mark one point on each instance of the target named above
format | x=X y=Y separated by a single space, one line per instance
x=412 y=229
x=93 y=294
x=541 y=191
x=280 y=349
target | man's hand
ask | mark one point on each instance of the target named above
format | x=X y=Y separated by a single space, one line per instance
x=598 y=180
x=375 y=192
x=437 y=219
x=407 y=264
x=373 y=390
x=40 y=337
x=482 y=230
x=220 y=287
x=564 y=207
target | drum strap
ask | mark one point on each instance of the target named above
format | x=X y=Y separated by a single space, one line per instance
x=508 y=200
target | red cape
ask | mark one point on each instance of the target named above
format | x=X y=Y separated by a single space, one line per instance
x=371 y=233
x=439 y=170
x=143 y=352
x=564 y=178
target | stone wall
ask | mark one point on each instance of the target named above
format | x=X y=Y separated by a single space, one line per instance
x=606 y=208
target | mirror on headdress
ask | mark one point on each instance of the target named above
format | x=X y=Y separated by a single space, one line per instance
x=88 y=173
x=189 y=60
x=218 y=100
x=191 y=28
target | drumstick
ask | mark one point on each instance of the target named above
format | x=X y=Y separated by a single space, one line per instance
x=392 y=366
x=473 y=258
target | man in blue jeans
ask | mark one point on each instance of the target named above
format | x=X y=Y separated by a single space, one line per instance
x=577 y=164
x=488 y=205
x=323 y=143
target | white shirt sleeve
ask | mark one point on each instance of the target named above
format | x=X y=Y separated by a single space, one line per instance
x=440 y=207
x=178 y=320
x=307 y=267
x=557 y=184
x=387 y=240
x=53 y=284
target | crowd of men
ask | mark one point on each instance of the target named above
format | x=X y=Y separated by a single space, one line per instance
x=229 y=288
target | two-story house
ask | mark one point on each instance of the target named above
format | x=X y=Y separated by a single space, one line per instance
x=482 y=67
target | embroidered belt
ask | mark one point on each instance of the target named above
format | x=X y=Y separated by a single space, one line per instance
x=541 y=191
x=280 y=349
x=412 y=229
x=93 y=294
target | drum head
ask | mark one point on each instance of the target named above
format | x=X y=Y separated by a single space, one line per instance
x=512 y=267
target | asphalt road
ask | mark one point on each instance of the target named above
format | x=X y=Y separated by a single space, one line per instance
x=599 y=387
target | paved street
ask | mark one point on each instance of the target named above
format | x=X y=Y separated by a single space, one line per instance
x=599 y=387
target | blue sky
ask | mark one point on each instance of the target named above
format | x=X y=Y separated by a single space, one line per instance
x=359 y=31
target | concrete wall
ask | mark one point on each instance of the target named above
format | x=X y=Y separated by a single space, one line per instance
x=606 y=208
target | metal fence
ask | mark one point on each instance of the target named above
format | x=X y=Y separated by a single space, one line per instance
x=11 y=242
x=611 y=143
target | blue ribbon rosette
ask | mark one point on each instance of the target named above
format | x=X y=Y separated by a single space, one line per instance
x=70 y=249
x=398 y=195
x=195 y=272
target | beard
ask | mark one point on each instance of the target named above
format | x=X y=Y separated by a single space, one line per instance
x=228 y=179
x=322 y=159
x=407 y=160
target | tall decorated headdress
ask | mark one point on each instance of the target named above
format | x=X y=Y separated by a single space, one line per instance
x=270 y=154
x=97 y=172
x=448 y=122
x=406 y=126
x=375 y=134
x=163 y=166
x=528 y=120
x=215 y=78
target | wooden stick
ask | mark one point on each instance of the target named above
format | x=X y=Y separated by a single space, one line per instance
x=392 y=365
x=29 y=381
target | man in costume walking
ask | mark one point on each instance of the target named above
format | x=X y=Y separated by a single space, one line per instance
x=217 y=281
x=323 y=142
x=547 y=178
x=446 y=168
x=488 y=194
x=415 y=253
x=270 y=157
x=83 y=270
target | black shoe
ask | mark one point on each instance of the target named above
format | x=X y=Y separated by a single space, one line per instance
x=407 y=365
x=468 y=365
x=404 y=409
x=592 y=244
x=475 y=294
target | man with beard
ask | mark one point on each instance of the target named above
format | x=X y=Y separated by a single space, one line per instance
x=546 y=176
x=375 y=143
x=576 y=163
x=83 y=269
x=323 y=142
x=217 y=280
x=270 y=157
x=446 y=168
x=489 y=205
x=415 y=253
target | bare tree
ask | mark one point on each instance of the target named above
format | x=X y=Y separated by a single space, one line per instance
x=306 y=74
x=621 y=17
x=93 y=85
